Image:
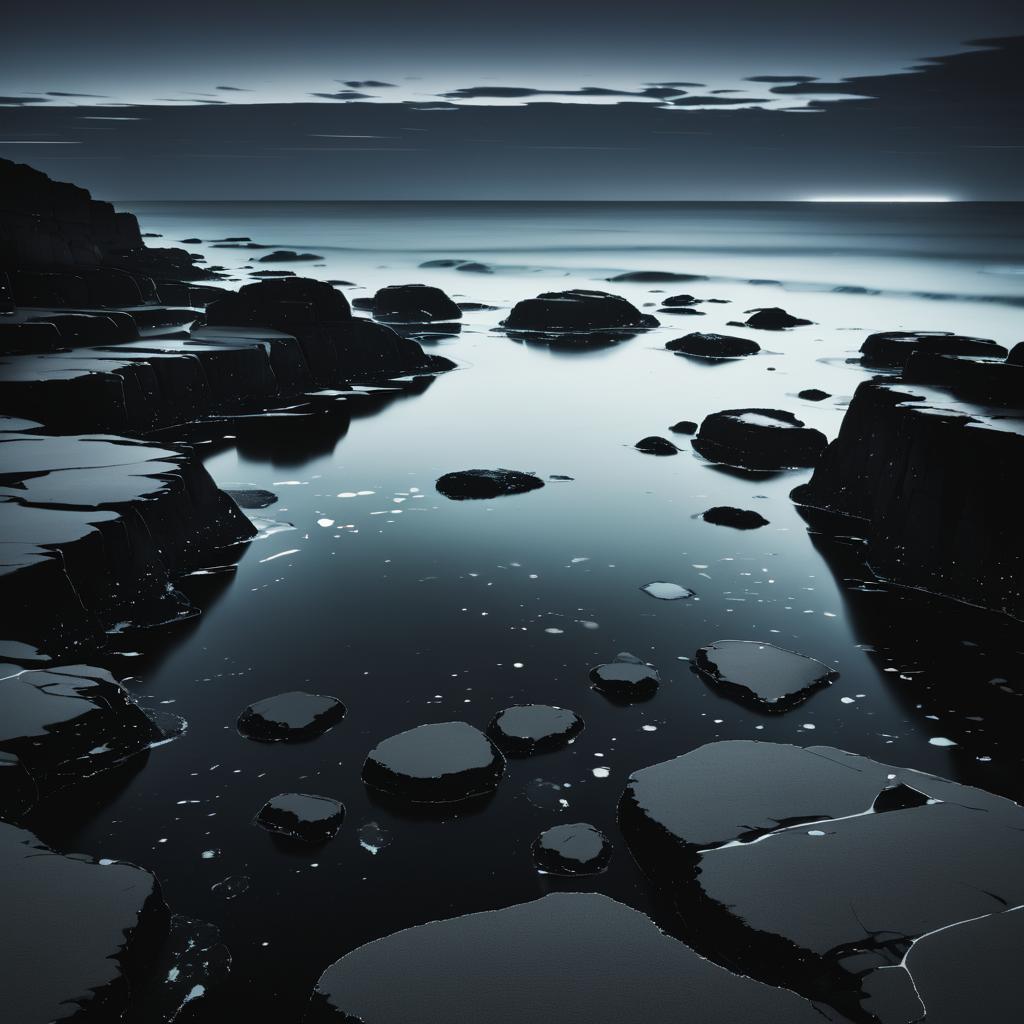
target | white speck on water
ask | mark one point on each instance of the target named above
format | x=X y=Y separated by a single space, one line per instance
x=666 y=591
x=280 y=554
x=600 y=773
x=210 y=854
x=649 y=728
x=807 y=725
x=815 y=832
x=325 y=523
x=942 y=741
x=554 y=631
x=846 y=700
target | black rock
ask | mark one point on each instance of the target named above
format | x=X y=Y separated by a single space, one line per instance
x=655 y=445
x=577 y=311
x=1016 y=354
x=473 y=307
x=77 y=934
x=363 y=302
x=414 y=303
x=982 y=379
x=272 y=273
x=713 y=346
x=190 y=241
x=684 y=427
x=475 y=268
x=680 y=300
x=894 y=348
x=625 y=680
x=655 y=277
x=311 y=819
x=18 y=790
x=682 y=311
x=578 y=849
x=435 y=763
x=252 y=499
x=486 y=483
x=577 y=958
x=430 y=264
x=283 y=304
x=772 y=318
x=737 y=518
x=760 y=674
x=290 y=716
x=289 y=256
x=759 y=439
x=528 y=728
x=813 y=395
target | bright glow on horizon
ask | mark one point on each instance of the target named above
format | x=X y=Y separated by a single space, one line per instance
x=880 y=199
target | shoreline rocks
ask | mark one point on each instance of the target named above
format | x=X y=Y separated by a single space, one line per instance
x=759 y=439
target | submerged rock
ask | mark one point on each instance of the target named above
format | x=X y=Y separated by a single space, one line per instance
x=625 y=680
x=655 y=277
x=486 y=483
x=311 y=819
x=414 y=303
x=529 y=728
x=435 y=763
x=655 y=445
x=737 y=518
x=578 y=849
x=761 y=674
x=577 y=958
x=77 y=934
x=253 y=498
x=772 y=318
x=578 y=310
x=684 y=427
x=290 y=716
x=289 y=256
x=759 y=439
x=713 y=346
x=67 y=723
x=894 y=348
x=680 y=300
x=813 y=395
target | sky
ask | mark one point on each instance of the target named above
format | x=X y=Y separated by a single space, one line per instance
x=532 y=100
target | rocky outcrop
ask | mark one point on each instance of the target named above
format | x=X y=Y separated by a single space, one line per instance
x=578 y=314
x=413 y=304
x=567 y=957
x=713 y=346
x=922 y=475
x=77 y=933
x=894 y=348
x=758 y=439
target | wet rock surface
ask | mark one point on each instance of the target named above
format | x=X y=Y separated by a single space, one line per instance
x=853 y=889
x=713 y=346
x=655 y=445
x=894 y=348
x=252 y=499
x=528 y=728
x=302 y=816
x=436 y=763
x=737 y=518
x=684 y=427
x=813 y=395
x=625 y=680
x=577 y=312
x=414 y=303
x=772 y=318
x=759 y=439
x=290 y=716
x=578 y=849
x=486 y=483
x=762 y=674
x=506 y=973
x=50 y=971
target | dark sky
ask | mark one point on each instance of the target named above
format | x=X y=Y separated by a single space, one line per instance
x=637 y=99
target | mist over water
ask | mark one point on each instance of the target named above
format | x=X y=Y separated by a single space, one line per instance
x=368 y=585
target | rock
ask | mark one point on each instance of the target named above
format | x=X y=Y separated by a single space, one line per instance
x=655 y=277
x=310 y=819
x=853 y=891
x=435 y=763
x=759 y=439
x=474 y=307
x=69 y=722
x=680 y=300
x=77 y=934
x=655 y=445
x=761 y=674
x=813 y=395
x=682 y=311
x=290 y=716
x=578 y=849
x=625 y=680
x=486 y=483
x=190 y=241
x=414 y=303
x=979 y=379
x=1016 y=354
x=713 y=346
x=252 y=499
x=666 y=591
x=737 y=518
x=529 y=728
x=772 y=318
x=430 y=264
x=272 y=273
x=18 y=790
x=289 y=256
x=475 y=268
x=916 y=471
x=894 y=348
x=684 y=427
x=29 y=338
x=559 y=958
x=282 y=304
x=576 y=311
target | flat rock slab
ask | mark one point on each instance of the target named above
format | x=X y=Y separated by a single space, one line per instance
x=575 y=958
x=486 y=483
x=253 y=498
x=578 y=849
x=713 y=346
x=819 y=869
x=435 y=763
x=894 y=348
x=74 y=931
x=302 y=816
x=578 y=310
x=290 y=716
x=67 y=723
x=625 y=680
x=528 y=728
x=766 y=676
x=759 y=439
x=737 y=518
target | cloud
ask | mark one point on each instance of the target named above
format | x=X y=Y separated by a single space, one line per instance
x=232 y=88
x=81 y=95
x=370 y=84
x=782 y=78
x=19 y=101
x=521 y=92
x=716 y=101
x=345 y=94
